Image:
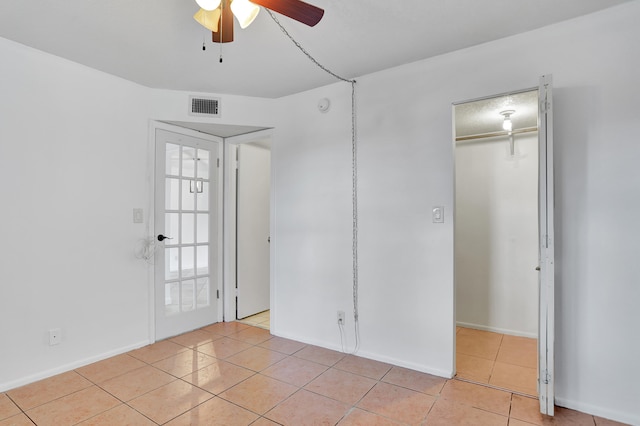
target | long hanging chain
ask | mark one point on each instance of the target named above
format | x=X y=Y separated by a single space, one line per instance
x=354 y=201
x=354 y=173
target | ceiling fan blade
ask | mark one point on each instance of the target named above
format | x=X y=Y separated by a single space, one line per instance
x=225 y=28
x=295 y=9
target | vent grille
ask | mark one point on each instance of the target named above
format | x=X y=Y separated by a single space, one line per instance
x=209 y=107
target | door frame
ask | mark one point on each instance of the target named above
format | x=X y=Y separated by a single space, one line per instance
x=546 y=332
x=229 y=230
x=154 y=126
x=546 y=288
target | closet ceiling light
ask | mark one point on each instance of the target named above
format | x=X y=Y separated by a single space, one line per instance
x=507 y=124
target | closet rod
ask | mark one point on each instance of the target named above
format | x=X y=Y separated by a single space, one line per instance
x=494 y=134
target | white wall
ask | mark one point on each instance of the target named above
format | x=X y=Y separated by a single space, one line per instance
x=406 y=268
x=406 y=167
x=74 y=162
x=64 y=166
x=72 y=168
x=496 y=234
x=173 y=105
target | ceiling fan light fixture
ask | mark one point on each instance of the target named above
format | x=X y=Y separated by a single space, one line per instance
x=245 y=12
x=208 y=19
x=208 y=5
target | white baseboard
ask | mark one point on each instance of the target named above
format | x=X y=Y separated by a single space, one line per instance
x=411 y=366
x=497 y=330
x=605 y=413
x=68 y=367
x=389 y=360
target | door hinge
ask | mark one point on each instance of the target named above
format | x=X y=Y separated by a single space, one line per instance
x=217 y=162
x=545 y=241
x=217 y=294
x=545 y=106
x=544 y=377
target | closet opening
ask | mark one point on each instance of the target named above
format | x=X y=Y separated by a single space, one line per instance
x=497 y=241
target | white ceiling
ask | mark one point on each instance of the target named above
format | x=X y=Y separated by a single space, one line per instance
x=156 y=43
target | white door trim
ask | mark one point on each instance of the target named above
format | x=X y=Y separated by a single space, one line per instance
x=546 y=334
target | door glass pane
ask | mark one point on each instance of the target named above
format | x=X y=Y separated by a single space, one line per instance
x=188 y=261
x=189 y=190
x=171 y=298
x=172 y=194
x=203 y=197
x=172 y=159
x=202 y=290
x=188 y=228
x=203 y=164
x=171 y=228
x=188 y=161
x=203 y=228
x=188 y=295
x=203 y=260
x=171 y=262
x=183 y=268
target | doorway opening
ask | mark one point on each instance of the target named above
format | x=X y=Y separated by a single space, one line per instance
x=173 y=295
x=497 y=241
x=249 y=229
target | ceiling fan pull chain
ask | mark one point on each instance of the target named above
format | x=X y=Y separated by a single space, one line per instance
x=221 y=28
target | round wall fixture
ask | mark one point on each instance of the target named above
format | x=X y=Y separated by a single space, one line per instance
x=323 y=105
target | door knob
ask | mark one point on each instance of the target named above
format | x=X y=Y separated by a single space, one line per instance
x=537 y=268
x=162 y=237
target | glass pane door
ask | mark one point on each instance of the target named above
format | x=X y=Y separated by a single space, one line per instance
x=186 y=223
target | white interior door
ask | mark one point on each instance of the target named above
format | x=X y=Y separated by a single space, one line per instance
x=187 y=222
x=547 y=268
x=252 y=229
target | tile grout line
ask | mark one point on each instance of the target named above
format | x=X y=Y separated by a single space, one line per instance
x=333 y=366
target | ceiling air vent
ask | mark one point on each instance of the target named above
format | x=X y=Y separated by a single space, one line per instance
x=204 y=107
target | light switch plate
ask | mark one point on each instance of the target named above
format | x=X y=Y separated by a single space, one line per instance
x=437 y=214
x=137 y=216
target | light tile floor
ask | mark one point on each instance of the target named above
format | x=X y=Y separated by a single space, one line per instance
x=235 y=374
x=261 y=320
x=500 y=360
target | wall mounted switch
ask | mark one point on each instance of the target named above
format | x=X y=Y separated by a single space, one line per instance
x=137 y=216
x=438 y=214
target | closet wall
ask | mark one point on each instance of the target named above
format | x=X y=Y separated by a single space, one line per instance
x=496 y=233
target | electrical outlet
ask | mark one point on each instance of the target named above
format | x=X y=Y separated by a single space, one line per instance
x=341 y=317
x=55 y=336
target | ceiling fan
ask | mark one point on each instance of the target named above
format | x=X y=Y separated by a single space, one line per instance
x=217 y=15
